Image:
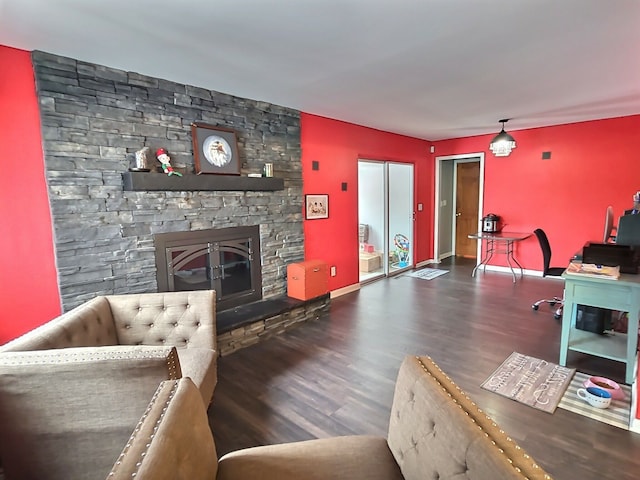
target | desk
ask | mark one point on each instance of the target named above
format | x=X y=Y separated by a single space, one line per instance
x=622 y=294
x=500 y=243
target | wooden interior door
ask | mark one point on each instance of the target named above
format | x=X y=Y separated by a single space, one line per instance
x=467 y=193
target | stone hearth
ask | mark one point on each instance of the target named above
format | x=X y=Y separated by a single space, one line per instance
x=246 y=325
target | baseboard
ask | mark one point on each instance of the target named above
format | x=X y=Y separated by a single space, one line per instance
x=426 y=262
x=530 y=273
x=344 y=290
x=491 y=268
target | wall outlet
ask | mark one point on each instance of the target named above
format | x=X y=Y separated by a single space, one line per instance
x=333 y=271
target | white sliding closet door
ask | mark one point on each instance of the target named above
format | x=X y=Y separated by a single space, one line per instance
x=385 y=215
x=400 y=216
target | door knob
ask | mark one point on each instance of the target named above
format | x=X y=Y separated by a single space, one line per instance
x=458 y=214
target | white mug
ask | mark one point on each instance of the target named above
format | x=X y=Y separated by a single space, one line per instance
x=594 y=396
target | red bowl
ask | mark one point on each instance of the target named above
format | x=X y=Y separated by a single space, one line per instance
x=607 y=384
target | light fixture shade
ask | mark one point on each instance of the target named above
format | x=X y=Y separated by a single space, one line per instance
x=503 y=143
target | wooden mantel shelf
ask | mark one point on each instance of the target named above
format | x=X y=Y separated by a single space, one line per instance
x=146 y=181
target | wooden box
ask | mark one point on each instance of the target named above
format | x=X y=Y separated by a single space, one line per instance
x=370 y=262
x=306 y=280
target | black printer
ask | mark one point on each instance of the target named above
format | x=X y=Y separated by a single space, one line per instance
x=612 y=254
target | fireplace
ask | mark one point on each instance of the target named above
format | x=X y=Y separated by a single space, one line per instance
x=226 y=260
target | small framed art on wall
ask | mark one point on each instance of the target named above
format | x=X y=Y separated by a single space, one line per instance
x=316 y=206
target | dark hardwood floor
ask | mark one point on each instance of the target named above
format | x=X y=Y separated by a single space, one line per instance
x=335 y=376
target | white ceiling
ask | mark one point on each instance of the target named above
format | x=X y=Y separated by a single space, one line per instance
x=431 y=69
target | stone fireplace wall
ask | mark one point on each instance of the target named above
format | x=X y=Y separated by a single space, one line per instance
x=93 y=120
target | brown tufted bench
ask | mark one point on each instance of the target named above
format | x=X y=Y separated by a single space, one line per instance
x=186 y=320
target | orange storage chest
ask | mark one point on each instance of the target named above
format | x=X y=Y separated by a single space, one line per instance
x=306 y=280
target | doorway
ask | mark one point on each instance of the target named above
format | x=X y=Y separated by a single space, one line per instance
x=467 y=176
x=385 y=217
x=458 y=206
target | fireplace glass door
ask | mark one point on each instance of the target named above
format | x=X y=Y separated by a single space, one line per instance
x=230 y=266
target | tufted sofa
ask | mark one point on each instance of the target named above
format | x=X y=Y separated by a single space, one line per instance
x=186 y=320
x=435 y=431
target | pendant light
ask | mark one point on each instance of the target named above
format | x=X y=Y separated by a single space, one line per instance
x=503 y=143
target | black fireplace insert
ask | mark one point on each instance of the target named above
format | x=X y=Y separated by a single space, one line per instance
x=226 y=260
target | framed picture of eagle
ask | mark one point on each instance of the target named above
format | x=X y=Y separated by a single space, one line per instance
x=215 y=150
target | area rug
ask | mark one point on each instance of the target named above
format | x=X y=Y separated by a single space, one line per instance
x=617 y=414
x=531 y=381
x=427 y=273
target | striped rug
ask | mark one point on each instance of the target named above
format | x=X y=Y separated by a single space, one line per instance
x=617 y=414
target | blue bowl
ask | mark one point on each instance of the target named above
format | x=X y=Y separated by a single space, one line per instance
x=599 y=392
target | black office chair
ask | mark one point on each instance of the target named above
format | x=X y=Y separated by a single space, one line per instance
x=551 y=271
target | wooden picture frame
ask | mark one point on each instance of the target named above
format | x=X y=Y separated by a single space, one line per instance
x=215 y=150
x=316 y=206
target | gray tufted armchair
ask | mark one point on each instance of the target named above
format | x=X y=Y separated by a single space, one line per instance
x=185 y=320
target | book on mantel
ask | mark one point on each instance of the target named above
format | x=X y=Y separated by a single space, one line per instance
x=593 y=270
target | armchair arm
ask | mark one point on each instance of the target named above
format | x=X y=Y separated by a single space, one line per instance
x=436 y=429
x=87 y=325
x=172 y=441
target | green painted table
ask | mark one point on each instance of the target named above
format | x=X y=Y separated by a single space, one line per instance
x=623 y=295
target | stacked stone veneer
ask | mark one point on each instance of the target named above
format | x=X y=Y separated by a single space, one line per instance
x=252 y=333
x=93 y=120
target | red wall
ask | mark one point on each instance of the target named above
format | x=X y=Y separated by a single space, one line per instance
x=593 y=165
x=28 y=281
x=337 y=146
